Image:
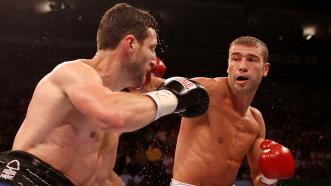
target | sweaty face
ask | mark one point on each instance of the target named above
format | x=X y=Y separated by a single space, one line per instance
x=144 y=58
x=246 y=68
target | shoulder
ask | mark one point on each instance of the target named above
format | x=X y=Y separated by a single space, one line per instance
x=77 y=70
x=215 y=86
x=257 y=115
x=77 y=66
x=210 y=82
x=255 y=112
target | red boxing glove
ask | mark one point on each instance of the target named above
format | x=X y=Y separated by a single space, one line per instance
x=157 y=71
x=276 y=162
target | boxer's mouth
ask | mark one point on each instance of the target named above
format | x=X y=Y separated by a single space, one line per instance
x=242 y=78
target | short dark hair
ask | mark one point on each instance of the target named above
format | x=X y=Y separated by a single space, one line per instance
x=120 y=20
x=252 y=42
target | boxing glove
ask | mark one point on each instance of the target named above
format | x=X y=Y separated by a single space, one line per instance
x=157 y=71
x=276 y=162
x=160 y=68
x=180 y=95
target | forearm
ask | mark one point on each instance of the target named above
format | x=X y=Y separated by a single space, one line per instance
x=114 y=180
x=125 y=112
x=113 y=111
x=133 y=112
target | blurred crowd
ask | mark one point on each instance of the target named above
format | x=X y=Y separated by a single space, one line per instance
x=295 y=115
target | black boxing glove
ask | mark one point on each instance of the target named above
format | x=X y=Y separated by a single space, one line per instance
x=180 y=95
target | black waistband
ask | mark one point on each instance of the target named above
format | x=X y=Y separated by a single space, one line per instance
x=36 y=165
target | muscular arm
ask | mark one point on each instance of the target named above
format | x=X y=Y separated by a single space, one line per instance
x=114 y=180
x=255 y=152
x=110 y=111
x=113 y=111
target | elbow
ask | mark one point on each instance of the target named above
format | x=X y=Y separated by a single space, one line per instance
x=110 y=121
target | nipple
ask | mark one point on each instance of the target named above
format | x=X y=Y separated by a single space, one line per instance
x=220 y=140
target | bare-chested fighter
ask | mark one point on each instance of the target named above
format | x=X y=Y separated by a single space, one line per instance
x=211 y=147
x=77 y=112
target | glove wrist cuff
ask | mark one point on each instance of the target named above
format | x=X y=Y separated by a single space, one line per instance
x=165 y=101
x=267 y=181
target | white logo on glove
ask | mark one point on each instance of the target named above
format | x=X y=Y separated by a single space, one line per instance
x=10 y=172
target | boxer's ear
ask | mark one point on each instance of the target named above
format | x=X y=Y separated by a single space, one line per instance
x=129 y=42
x=266 y=67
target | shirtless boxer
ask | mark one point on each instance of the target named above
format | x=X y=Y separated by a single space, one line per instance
x=210 y=148
x=77 y=112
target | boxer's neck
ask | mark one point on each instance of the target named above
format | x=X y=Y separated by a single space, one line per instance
x=242 y=101
x=107 y=63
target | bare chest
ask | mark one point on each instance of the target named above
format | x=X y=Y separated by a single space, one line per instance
x=218 y=147
x=233 y=135
x=96 y=158
x=93 y=151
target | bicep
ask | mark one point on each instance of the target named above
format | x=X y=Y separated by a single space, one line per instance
x=87 y=98
x=108 y=110
x=255 y=151
x=81 y=86
x=116 y=111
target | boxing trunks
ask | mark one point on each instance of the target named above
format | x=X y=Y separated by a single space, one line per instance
x=19 y=168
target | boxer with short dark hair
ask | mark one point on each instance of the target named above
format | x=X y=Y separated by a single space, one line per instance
x=78 y=111
x=210 y=148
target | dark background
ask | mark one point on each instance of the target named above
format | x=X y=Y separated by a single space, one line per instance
x=194 y=38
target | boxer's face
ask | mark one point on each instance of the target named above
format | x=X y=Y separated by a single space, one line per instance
x=145 y=57
x=246 y=68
